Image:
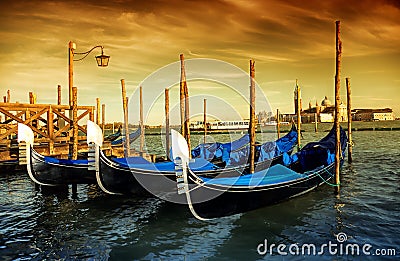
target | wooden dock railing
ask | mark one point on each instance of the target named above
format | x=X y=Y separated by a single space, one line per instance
x=49 y=122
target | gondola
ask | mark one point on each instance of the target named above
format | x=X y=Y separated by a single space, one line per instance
x=132 y=175
x=49 y=171
x=301 y=172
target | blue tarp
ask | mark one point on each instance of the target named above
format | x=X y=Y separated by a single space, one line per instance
x=217 y=149
x=273 y=175
x=65 y=161
x=141 y=163
x=132 y=136
x=267 y=150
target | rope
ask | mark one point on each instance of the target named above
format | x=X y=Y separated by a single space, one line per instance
x=330 y=184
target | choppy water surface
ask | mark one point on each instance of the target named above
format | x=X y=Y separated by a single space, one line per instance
x=46 y=225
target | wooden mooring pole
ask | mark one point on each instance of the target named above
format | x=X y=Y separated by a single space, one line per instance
x=252 y=127
x=103 y=117
x=337 y=103
x=184 y=102
x=59 y=94
x=167 y=122
x=297 y=93
x=182 y=98
x=126 y=124
x=141 y=122
x=349 y=120
x=74 y=123
x=316 y=122
x=98 y=111
x=278 y=125
x=205 y=120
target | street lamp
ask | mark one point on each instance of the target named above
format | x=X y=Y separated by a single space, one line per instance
x=102 y=61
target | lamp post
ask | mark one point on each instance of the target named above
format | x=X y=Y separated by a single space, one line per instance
x=102 y=61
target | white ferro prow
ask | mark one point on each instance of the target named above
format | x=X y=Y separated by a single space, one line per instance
x=94 y=139
x=26 y=134
x=180 y=154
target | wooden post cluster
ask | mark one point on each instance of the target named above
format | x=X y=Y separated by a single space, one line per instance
x=252 y=125
x=126 y=123
x=349 y=120
x=167 y=122
x=337 y=103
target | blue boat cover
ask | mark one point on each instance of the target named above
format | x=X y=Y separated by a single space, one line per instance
x=65 y=161
x=312 y=157
x=132 y=136
x=315 y=154
x=141 y=163
x=217 y=149
x=273 y=175
x=267 y=150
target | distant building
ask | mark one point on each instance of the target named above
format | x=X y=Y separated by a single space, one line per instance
x=373 y=114
x=325 y=112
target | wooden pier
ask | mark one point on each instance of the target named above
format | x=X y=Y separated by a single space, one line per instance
x=52 y=128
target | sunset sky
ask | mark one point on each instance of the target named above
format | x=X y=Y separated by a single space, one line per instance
x=289 y=40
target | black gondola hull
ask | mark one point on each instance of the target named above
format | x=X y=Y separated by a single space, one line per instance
x=45 y=173
x=232 y=201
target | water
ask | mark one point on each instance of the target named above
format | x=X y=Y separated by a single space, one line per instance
x=92 y=226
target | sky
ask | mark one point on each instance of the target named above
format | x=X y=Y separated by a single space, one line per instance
x=288 y=40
